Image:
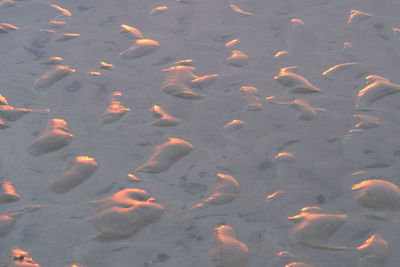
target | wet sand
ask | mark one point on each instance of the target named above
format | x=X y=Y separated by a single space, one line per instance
x=265 y=116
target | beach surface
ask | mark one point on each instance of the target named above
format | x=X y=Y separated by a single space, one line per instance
x=237 y=113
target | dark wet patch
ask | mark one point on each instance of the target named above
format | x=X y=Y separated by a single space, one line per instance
x=161 y=257
x=109 y=19
x=37 y=48
x=364 y=233
x=105 y=190
x=332 y=140
x=320 y=199
x=361 y=74
x=288 y=143
x=84 y=8
x=368 y=151
x=377 y=166
x=74 y=86
x=163 y=61
x=264 y=165
x=252 y=216
x=224 y=38
x=383 y=36
x=193 y=188
x=224 y=169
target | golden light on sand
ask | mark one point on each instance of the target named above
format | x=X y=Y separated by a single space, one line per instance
x=64 y=11
x=239 y=133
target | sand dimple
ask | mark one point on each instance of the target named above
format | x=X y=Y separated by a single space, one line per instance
x=238 y=58
x=234 y=125
x=240 y=11
x=140 y=48
x=297 y=23
x=281 y=55
x=8 y=193
x=187 y=1
x=338 y=68
x=226 y=190
x=94 y=73
x=115 y=110
x=377 y=88
x=130 y=32
x=252 y=98
x=165 y=155
x=7 y=27
x=299 y=264
x=124 y=213
x=20 y=258
x=63 y=11
x=3 y=101
x=304 y=110
x=227 y=250
x=232 y=43
x=184 y=62
x=81 y=168
x=285 y=157
x=377 y=194
x=7 y=3
x=285 y=167
x=396 y=33
x=366 y=121
x=163 y=119
x=10 y=113
x=204 y=81
x=296 y=82
x=133 y=177
x=357 y=16
x=57 y=23
x=158 y=10
x=66 y=36
x=374 y=251
x=105 y=65
x=3 y=125
x=51 y=61
x=56 y=135
x=8 y=221
x=314 y=227
x=180 y=78
x=176 y=82
x=53 y=76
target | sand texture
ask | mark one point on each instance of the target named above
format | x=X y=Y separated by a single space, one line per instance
x=200 y=133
